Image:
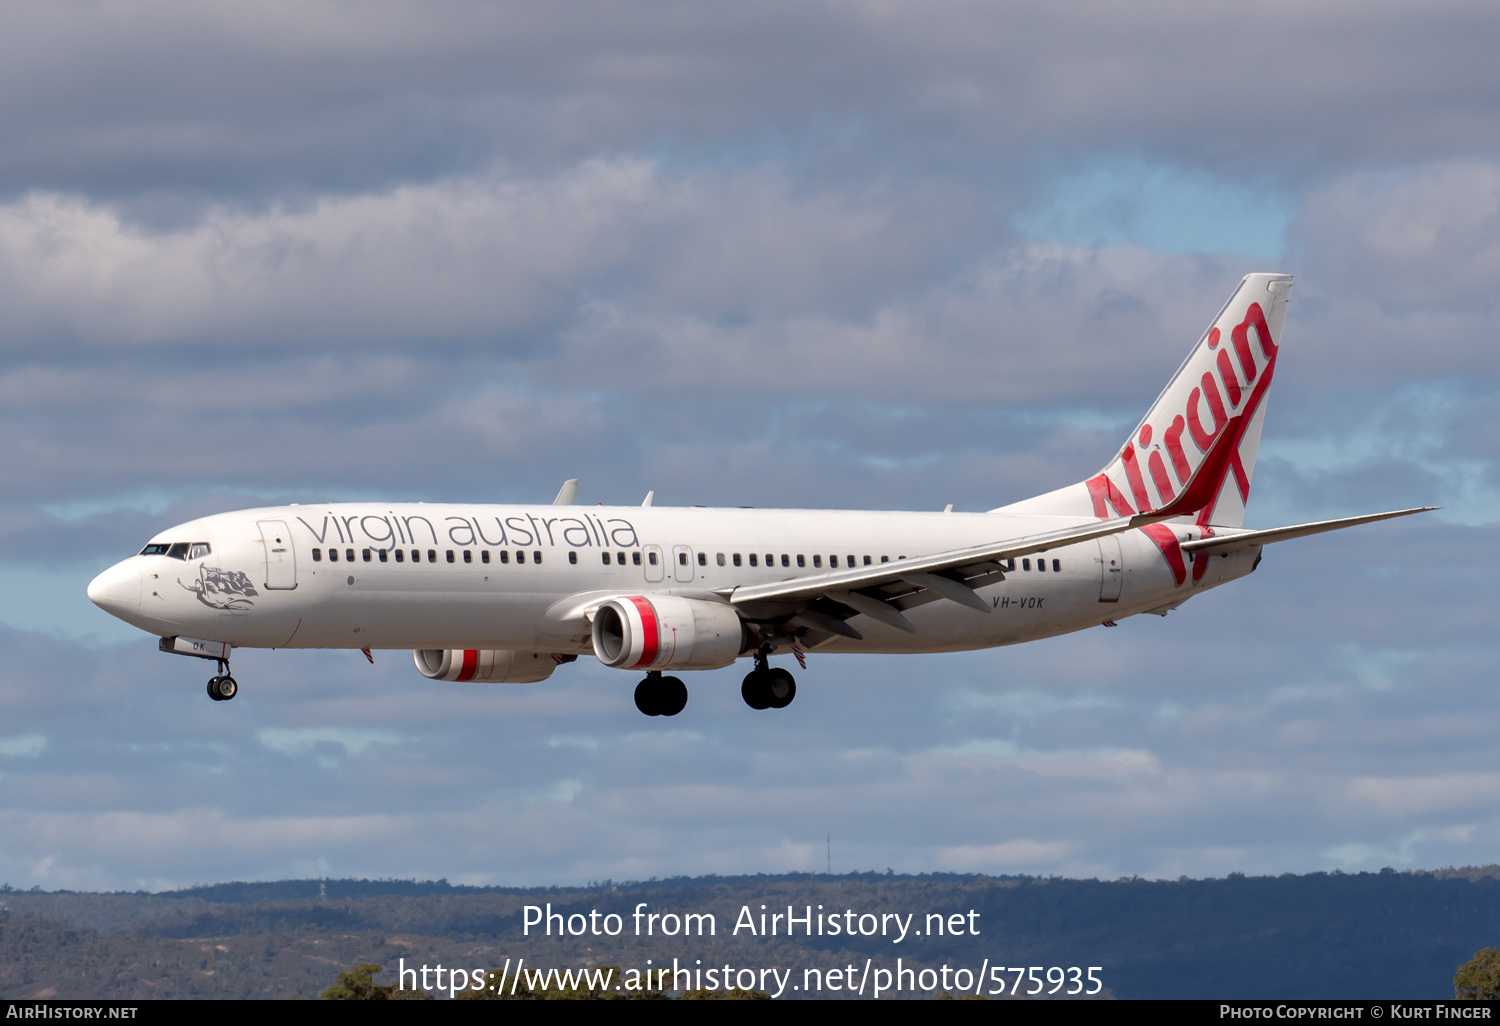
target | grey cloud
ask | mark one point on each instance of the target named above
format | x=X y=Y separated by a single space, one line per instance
x=257 y=99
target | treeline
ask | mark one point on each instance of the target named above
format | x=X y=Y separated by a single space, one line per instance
x=1384 y=934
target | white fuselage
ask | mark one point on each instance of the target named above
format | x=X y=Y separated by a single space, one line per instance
x=521 y=577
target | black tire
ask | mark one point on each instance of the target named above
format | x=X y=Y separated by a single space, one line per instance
x=781 y=688
x=672 y=695
x=648 y=697
x=228 y=688
x=755 y=690
x=213 y=689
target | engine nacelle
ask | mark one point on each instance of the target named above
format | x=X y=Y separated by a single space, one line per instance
x=487 y=665
x=667 y=632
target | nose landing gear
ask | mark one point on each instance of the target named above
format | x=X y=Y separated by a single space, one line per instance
x=768 y=687
x=660 y=696
x=222 y=687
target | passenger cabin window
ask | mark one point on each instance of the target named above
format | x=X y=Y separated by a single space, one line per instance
x=468 y=556
x=317 y=555
x=885 y=559
x=383 y=557
x=505 y=555
x=606 y=559
x=450 y=555
x=484 y=555
x=1025 y=564
x=348 y=555
x=333 y=555
x=520 y=556
x=635 y=557
x=536 y=557
x=801 y=560
x=366 y=554
x=416 y=555
x=400 y=555
x=432 y=555
x=867 y=561
x=785 y=560
x=703 y=559
x=1057 y=566
x=573 y=558
x=737 y=559
x=833 y=562
x=682 y=559
x=651 y=558
x=156 y=549
x=622 y=558
x=720 y=559
x=1010 y=564
x=1041 y=566
x=753 y=560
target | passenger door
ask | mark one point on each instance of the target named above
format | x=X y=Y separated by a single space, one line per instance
x=281 y=558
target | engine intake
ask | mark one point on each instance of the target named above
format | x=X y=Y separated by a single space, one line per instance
x=485 y=665
x=667 y=632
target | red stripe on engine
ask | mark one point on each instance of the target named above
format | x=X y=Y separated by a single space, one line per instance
x=471 y=663
x=650 y=632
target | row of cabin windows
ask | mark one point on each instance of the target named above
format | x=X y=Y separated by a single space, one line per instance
x=1041 y=565
x=786 y=560
x=385 y=555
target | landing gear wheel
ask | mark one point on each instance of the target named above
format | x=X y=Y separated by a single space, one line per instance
x=213 y=689
x=647 y=697
x=228 y=688
x=661 y=696
x=756 y=690
x=671 y=696
x=781 y=688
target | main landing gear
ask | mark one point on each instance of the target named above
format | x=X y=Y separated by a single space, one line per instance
x=222 y=687
x=768 y=687
x=660 y=696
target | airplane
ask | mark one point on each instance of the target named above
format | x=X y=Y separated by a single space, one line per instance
x=505 y=594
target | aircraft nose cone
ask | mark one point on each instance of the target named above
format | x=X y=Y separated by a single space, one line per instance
x=117 y=591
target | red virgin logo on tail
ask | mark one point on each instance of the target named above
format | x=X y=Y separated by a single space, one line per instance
x=1216 y=415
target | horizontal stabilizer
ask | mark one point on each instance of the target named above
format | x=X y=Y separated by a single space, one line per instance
x=1231 y=542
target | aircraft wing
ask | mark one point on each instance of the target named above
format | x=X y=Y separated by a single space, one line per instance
x=882 y=590
x=1231 y=542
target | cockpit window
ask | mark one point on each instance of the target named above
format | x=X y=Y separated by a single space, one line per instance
x=178 y=550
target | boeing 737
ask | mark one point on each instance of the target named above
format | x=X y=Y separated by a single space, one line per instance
x=506 y=594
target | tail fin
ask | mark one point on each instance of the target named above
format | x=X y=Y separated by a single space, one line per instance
x=1194 y=452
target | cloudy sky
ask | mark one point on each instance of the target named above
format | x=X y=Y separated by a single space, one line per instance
x=822 y=254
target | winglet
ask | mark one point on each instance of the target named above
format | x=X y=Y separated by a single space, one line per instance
x=567 y=493
x=649 y=496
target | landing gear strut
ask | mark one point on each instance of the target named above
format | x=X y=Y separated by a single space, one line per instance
x=768 y=687
x=660 y=696
x=222 y=687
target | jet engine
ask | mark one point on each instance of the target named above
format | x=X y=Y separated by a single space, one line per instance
x=487 y=665
x=667 y=632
